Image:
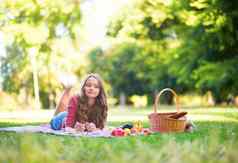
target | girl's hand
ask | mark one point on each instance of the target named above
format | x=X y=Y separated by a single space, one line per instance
x=80 y=127
x=70 y=130
x=90 y=127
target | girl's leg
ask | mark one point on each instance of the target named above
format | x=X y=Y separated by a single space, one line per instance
x=63 y=102
x=56 y=122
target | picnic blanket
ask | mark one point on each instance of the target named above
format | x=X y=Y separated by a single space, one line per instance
x=47 y=130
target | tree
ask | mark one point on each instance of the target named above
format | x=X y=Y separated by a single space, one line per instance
x=43 y=25
x=195 y=41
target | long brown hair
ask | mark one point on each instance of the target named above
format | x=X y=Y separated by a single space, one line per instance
x=98 y=112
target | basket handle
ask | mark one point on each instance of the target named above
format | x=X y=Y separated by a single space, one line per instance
x=160 y=93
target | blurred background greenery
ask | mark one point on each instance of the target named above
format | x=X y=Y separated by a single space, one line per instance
x=138 y=47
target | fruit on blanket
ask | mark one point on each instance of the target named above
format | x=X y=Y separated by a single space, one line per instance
x=118 y=132
x=133 y=130
x=138 y=125
x=129 y=126
x=146 y=131
x=127 y=131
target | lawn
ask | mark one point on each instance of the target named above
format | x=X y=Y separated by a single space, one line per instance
x=215 y=140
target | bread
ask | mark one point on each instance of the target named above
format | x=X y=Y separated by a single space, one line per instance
x=178 y=115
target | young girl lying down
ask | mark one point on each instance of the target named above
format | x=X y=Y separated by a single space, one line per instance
x=86 y=111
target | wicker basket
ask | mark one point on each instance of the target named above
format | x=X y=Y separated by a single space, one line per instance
x=160 y=122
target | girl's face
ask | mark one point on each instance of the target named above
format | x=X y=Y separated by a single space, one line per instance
x=91 y=88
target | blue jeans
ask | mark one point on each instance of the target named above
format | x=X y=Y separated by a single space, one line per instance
x=57 y=120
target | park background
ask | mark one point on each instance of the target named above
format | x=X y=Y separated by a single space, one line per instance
x=138 y=47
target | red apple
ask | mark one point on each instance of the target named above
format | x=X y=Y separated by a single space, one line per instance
x=118 y=132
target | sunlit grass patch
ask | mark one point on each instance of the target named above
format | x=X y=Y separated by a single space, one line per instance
x=217 y=118
x=26 y=117
x=22 y=120
x=212 y=114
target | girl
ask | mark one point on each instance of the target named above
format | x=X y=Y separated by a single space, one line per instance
x=86 y=111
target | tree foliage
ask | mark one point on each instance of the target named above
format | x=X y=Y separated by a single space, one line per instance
x=193 y=44
x=49 y=27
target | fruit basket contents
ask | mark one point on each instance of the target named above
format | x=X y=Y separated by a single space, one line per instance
x=131 y=130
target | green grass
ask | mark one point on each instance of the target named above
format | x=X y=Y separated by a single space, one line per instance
x=215 y=140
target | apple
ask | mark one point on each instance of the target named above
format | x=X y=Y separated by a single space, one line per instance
x=118 y=132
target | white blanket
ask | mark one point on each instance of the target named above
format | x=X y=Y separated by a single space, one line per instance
x=48 y=130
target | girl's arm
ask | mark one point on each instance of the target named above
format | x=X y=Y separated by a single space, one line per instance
x=72 y=111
